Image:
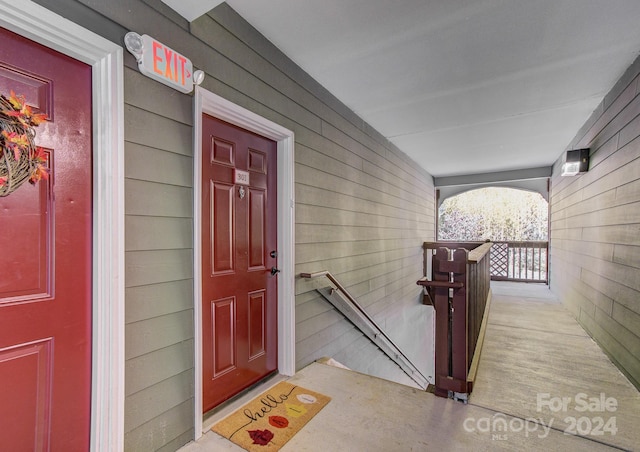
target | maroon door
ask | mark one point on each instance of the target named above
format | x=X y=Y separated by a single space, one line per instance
x=239 y=291
x=45 y=255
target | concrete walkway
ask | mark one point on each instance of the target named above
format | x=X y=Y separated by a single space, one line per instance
x=538 y=363
x=538 y=370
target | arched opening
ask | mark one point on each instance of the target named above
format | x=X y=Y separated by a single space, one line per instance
x=496 y=214
x=515 y=220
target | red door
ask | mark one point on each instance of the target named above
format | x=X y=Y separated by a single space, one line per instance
x=45 y=255
x=239 y=238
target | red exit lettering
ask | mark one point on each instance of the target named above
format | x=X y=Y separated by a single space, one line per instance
x=169 y=64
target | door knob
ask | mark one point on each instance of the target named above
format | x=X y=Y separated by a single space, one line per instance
x=274 y=271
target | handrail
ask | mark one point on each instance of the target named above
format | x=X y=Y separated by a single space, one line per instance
x=376 y=332
x=519 y=260
x=477 y=254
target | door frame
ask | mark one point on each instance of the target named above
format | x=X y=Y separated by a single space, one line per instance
x=107 y=374
x=218 y=107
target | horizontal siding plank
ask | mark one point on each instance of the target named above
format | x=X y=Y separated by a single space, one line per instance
x=316 y=151
x=628 y=193
x=149 y=95
x=309 y=346
x=154 y=165
x=314 y=252
x=153 y=401
x=152 y=267
x=334 y=348
x=622 y=294
x=157 y=333
x=316 y=324
x=359 y=185
x=627 y=255
x=629 y=364
x=314 y=196
x=613 y=216
x=626 y=234
x=178 y=442
x=150 y=369
x=592 y=295
x=306 y=233
x=626 y=338
x=602 y=251
x=154 y=300
x=620 y=273
x=630 y=320
x=597 y=203
x=340 y=266
x=157 y=200
x=157 y=233
x=308 y=214
x=614 y=179
x=312 y=308
x=155 y=131
x=162 y=429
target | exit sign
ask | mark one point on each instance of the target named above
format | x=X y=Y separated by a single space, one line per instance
x=162 y=63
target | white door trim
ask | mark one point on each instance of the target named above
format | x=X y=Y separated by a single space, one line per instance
x=45 y=27
x=214 y=105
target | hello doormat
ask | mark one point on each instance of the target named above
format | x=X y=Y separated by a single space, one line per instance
x=271 y=419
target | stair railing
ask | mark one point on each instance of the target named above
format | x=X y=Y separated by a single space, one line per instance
x=344 y=302
x=458 y=287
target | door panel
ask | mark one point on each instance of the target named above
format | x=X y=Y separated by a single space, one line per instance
x=256 y=220
x=26 y=211
x=224 y=334
x=45 y=283
x=257 y=323
x=27 y=370
x=222 y=243
x=239 y=293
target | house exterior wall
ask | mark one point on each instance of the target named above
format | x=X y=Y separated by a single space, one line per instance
x=363 y=209
x=595 y=227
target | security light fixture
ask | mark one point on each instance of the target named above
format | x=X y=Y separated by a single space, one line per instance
x=133 y=43
x=576 y=162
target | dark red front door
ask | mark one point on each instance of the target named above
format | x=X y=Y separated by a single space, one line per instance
x=45 y=261
x=239 y=235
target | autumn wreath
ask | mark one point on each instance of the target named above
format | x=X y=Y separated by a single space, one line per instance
x=20 y=158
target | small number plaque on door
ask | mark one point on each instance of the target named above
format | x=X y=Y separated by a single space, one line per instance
x=241 y=177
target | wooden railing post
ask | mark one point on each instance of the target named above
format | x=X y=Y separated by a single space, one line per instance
x=441 y=305
x=451 y=320
x=459 y=324
x=459 y=287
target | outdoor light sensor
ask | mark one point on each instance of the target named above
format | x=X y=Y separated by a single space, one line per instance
x=576 y=162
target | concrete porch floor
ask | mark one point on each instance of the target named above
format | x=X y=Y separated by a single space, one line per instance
x=540 y=374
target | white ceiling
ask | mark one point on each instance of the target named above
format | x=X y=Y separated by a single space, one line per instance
x=461 y=86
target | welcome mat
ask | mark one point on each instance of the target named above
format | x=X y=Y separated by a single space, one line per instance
x=271 y=419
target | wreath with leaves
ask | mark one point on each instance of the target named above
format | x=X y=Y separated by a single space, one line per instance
x=20 y=159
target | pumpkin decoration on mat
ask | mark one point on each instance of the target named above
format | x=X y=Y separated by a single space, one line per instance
x=20 y=159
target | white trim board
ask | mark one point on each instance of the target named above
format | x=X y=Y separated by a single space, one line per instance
x=216 y=106
x=45 y=27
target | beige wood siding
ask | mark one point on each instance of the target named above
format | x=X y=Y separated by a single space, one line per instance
x=363 y=208
x=595 y=228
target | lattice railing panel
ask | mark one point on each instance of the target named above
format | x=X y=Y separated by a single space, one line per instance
x=519 y=261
